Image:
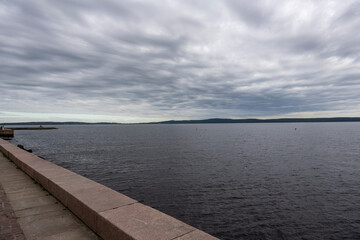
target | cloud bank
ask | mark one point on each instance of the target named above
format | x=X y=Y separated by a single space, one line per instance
x=146 y=60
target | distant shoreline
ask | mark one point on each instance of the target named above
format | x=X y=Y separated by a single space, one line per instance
x=204 y=121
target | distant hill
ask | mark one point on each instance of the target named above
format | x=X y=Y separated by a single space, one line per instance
x=253 y=120
x=56 y=123
x=212 y=120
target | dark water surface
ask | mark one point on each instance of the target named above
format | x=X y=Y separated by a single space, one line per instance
x=235 y=181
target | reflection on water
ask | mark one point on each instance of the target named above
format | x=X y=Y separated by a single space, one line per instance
x=235 y=181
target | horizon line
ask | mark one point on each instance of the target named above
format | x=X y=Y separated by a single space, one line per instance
x=208 y=120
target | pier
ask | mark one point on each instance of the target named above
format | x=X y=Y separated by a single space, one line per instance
x=32 y=128
x=6 y=133
x=109 y=214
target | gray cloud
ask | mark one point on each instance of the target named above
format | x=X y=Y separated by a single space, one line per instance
x=180 y=59
x=254 y=13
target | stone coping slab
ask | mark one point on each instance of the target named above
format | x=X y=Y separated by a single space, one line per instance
x=110 y=214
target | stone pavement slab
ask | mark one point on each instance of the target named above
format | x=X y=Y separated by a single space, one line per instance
x=28 y=211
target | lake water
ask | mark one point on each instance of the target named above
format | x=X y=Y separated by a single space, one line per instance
x=234 y=181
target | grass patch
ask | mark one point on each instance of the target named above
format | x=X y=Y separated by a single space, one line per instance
x=42 y=187
x=7 y=157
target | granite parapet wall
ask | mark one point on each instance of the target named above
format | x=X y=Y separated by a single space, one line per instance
x=110 y=214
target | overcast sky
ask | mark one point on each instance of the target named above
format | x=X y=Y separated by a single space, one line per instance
x=138 y=61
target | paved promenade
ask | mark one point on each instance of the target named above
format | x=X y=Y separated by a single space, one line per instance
x=9 y=227
x=27 y=211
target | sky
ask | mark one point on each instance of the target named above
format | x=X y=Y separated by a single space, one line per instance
x=142 y=61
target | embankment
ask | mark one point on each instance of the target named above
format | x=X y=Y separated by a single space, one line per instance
x=110 y=214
